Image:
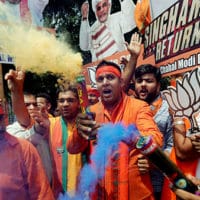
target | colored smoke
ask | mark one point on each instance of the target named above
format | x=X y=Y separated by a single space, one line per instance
x=37 y=50
x=109 y=137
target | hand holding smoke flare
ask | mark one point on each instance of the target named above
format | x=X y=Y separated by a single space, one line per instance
x=109 y=137
x=157 y=157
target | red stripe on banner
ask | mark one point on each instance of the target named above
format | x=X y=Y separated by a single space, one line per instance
x=95 y=36
x=105 y=49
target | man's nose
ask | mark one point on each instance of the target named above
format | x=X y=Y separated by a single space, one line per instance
x=143 y=83
x=105 y=81
x=66 y=102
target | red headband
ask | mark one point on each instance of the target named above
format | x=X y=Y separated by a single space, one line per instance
x=108 y=68
x=94 y=92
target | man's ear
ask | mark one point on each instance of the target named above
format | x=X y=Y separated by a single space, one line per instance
x=49 y=106
x=158 y=87
x=122 y=82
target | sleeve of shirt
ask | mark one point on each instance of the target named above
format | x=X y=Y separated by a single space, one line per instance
x=84 y=36
x=76 y=143
x=36 y=8
x=37 y=181
x=168 y=136
x=127 y=20
x=146 y=124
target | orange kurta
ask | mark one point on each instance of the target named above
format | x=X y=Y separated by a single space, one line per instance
x=21 y=172
x=123 y=180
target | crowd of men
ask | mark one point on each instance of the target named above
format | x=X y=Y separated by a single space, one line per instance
x=42 y=153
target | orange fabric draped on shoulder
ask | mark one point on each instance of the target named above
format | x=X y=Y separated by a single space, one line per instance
x=123 y=180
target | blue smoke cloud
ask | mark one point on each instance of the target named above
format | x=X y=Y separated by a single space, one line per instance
x=109 y=137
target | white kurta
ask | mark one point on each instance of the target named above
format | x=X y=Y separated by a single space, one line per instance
x=104 y=39
x=36 y=8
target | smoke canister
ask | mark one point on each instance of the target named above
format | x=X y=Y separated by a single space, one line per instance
x=82 y=92
x=83 y=99
x=157 y=157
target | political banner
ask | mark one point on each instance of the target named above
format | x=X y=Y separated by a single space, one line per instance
x=171 y=41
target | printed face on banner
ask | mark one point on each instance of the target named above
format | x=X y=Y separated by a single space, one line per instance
x=171 y=40
x=102 y=10
x=105 y=37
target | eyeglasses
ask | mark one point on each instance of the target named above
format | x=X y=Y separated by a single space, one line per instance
x=33 y=104
x=69 y=100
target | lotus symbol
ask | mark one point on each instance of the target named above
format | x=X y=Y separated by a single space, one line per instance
x=184 y=100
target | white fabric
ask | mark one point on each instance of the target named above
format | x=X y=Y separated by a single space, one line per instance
x=118 y=24
x=13 y=10
x=36 y=8
x=158 y=7
x=104 y=44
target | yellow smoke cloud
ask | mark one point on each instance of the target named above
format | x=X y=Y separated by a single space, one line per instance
x=37 y=50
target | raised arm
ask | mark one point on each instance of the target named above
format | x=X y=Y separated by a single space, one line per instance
x=15 y=81
x=134 y=49
x=84 y=34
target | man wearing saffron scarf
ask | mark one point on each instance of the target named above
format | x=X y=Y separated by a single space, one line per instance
x=122 y=180
x=66 y=166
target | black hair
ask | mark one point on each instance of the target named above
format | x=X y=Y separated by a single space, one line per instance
x=106 y=63
x=44 y=95
x=69 y=87
x=148 y=68
x=28 y=93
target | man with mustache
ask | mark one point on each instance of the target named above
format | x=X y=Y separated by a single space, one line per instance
x=147 y=88
x=122 y=178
